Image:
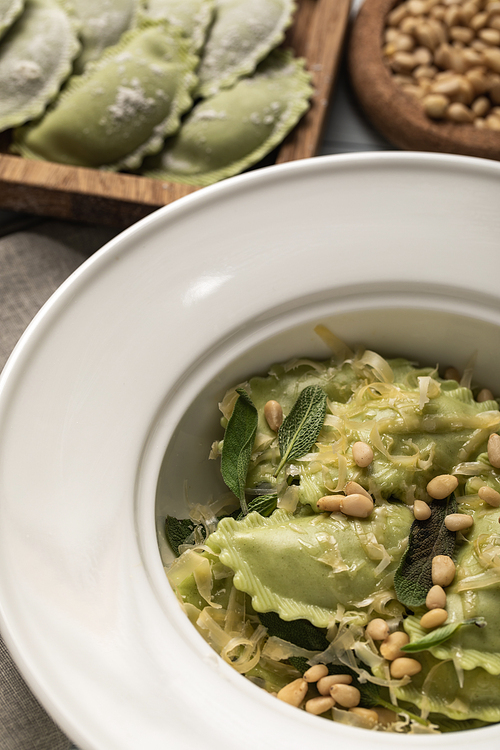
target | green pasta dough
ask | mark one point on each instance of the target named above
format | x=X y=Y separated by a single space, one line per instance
x=102 y=24
x=9 y=11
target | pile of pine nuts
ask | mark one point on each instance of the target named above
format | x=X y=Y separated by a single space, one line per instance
x=446 y=53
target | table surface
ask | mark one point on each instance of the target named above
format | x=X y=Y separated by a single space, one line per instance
x=36 y=255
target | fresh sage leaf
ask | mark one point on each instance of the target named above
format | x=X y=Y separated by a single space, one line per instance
x=237 y=446
x=299 y=632
x=439 y=635
x=264 y=504
x=429 y=538
x=300 y=429
x=178 y=531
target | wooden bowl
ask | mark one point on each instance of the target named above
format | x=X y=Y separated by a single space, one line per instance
x=397 y=115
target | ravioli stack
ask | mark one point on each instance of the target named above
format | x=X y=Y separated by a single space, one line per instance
x=186 y=90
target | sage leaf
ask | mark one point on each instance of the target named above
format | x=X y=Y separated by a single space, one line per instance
x=440 y=635
x=238 y=444
x=300 y=429
x=263 y=504
x=178 y=531
x=299 y=632
x=429 y=538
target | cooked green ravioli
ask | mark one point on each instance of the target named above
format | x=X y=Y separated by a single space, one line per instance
x=285 y=584
x=122 y=107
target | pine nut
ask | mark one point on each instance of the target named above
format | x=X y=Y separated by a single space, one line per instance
x=434 y=618
x=315 y=673
x=435 y=105
x=477 y=78
x=403 y=62
x=273 y=414
x=368 y=714
x=490 y=496
x=451 y=373
x=485 y=395
x=319 y=705
x=494 y=450
x=353 y=488
x=362 y=454
x=396 y=16
x=442 y=486
x=404 y=43
x=357 y=506
x=293 y=693
x=330 y=503
x=422 y=56
x=390 y=649
x=478 y=21
x=436 y=598
x=377 y=629
x=461 y=34
x=458 y=112
x=325 y=684
x=443 y=570
x=481 y=106
x=458 y=521
x=448 y=86
x=346 y=696
x=404 y=667
x=490 y=36
x=421 y=510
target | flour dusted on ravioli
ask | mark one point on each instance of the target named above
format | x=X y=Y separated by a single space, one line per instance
x=102 y=24
x=192 y=17
x=237 y=127
x=9 y=11
x=122 y=107
x=243 y=33
x=36 y=56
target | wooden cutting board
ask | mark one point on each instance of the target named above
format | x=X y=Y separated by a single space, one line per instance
x=89 y=195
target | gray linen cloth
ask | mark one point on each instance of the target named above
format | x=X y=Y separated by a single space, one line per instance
x=33 y=263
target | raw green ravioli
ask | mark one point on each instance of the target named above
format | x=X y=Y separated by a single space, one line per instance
x=234 y=129
x=121 y=108
x=102 y=24
x=243 y=33
x=191 y=17
x=36 y=56
x=9 y=11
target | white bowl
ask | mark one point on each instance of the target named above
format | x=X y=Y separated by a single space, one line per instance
x=397 y=251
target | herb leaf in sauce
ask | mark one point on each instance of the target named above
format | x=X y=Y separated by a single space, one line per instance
x=440 y=635
x=429 y=538
x=178 y=531
x=237 y=446
x=263 y=504
x=299 y=632
x=300 y=429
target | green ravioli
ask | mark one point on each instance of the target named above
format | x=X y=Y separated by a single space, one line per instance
x=191 y=17
x=243 y=33
x=234 y=129
x=36 y=55
x=122 y=107
x=102 y=24
x=9 y=11
x=304 y=567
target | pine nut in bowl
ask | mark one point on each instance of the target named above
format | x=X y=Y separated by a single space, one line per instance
x=108 y=411
x=427 y=74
